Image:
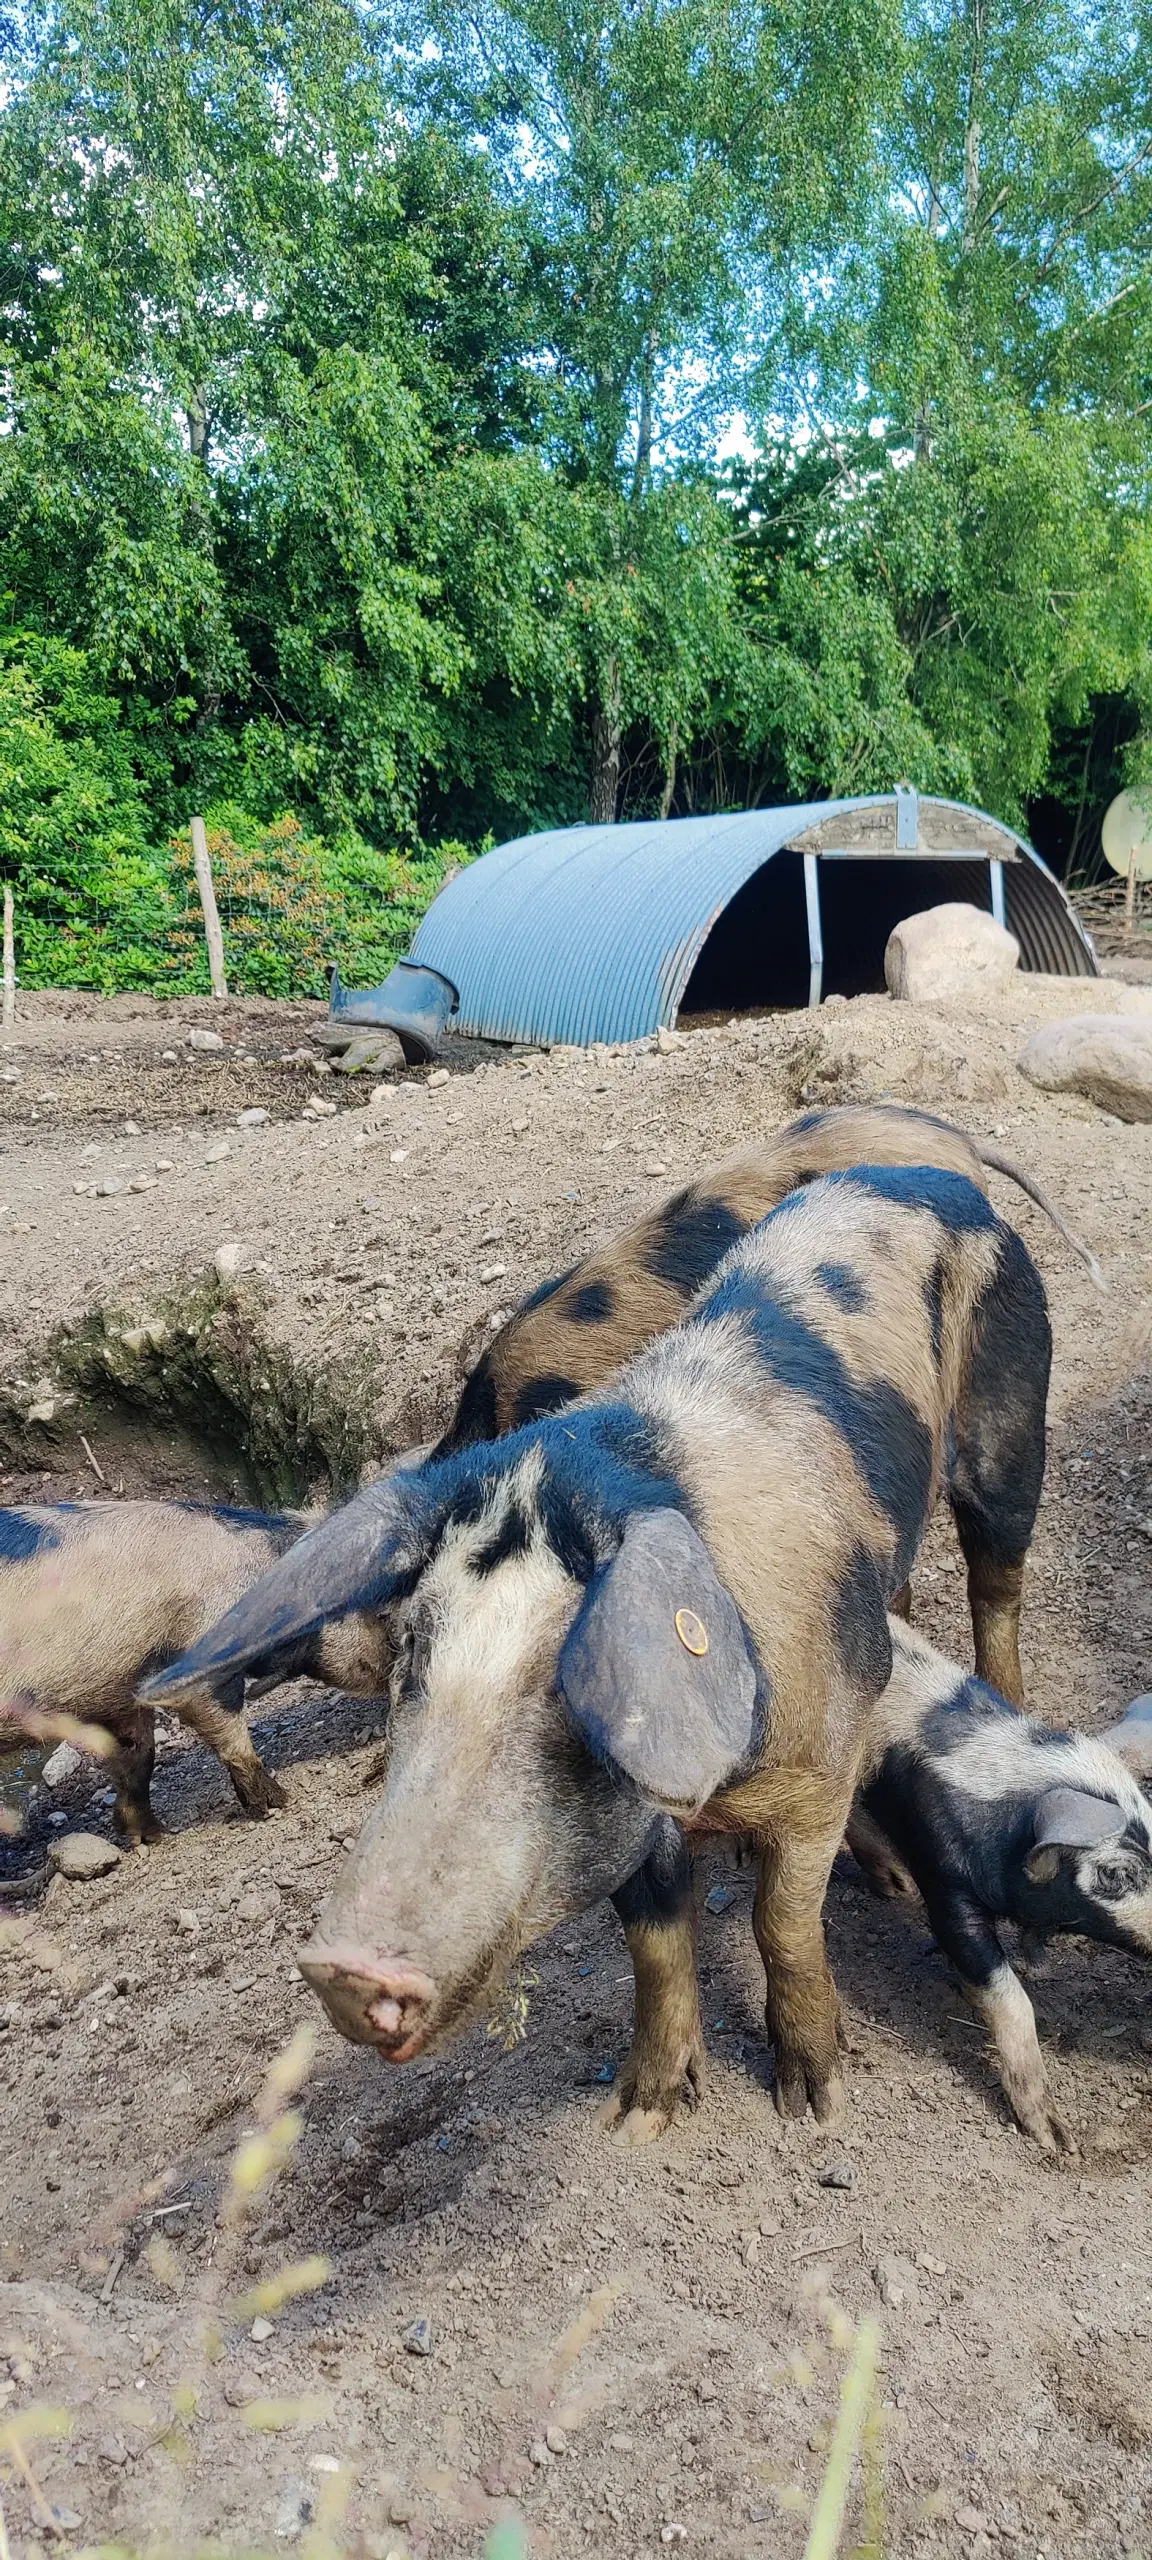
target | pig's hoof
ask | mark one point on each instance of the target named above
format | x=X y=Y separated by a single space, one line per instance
x=1041 y=2121
x=137 y=1829
x=641 y=2125
x=648 y=2095
x=802 y=2085
x=260 y=1795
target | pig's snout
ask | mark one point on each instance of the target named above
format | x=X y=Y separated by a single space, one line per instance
x=378 y=2000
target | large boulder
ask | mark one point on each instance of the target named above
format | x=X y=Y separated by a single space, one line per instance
x=953 y=950
x=1106 y=1056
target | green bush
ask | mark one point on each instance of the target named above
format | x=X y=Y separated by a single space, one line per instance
x=98 y=906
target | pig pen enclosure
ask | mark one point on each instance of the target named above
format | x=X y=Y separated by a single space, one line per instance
x=631 y=2351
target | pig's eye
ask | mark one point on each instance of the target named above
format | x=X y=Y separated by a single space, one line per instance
x=415 y=1656
x=1115 y=1877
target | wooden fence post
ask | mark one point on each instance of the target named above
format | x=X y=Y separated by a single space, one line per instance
x=9 y=1007
x=1130 y=894
x=212 y=934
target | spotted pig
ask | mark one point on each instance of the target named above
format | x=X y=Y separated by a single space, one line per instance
x=666 y=1606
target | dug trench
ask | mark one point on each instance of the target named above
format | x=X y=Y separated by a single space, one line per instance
x=629 y=2348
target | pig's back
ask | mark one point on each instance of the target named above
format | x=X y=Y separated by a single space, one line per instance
x=93 y=1593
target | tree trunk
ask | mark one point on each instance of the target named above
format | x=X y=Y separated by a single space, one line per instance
x=668 y=793
x=196 y=413
x=606 y=736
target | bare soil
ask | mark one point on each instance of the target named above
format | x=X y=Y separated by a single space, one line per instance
x=667 y=2310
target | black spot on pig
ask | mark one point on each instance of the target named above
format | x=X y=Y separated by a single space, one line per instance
x=476 y=1416
x=934 y=1301
x=692 y=1237
x=998 y=1466
x=539 y=1396
x=957 y=1203
x=861 y=1626
x=546 y=1289
x=21 y=1537
x=891 y=1444
x=280 y=1531
x=593 y=1304
x=512 y=1537
x=844 y=1285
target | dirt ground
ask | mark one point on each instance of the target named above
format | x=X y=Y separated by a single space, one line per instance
x=667 y=2314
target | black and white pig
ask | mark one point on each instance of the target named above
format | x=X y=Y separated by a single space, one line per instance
x=1001 y=1818
x=671 y=1601
x=95 y=1595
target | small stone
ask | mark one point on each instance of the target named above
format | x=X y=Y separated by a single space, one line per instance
x=241 y=2387
x=705 y=2390
x=111 y=2450
x=254 y=1119
x=316 y=1108
x=400 y=2509
x=66 y=2519
x=84 y=1190
x=323 y=2462
x=218 y=1153
x=673 y=2533
x=971 y=2520
x=719 y=1898
x=837 y=2173
x=62 y=1765
x=655 y=1166
x=438 y=1076
x=164 y=1164
x=895 y=2282
x=667 y=1040
x=171 y=1057
x=520 y=1127
x=555 y=2439
x=258 y=1903
x=232 y=1256
x=10 y=1075
x=109 y=1188
x=539 y=2454
x=416 y=2339
x=205 y=1040
x=142 y=1182
x=188 y=1924
x=131 y=1128
x=82 y=1856
x=293 y=2512
x=622 y=2444
x=399 y=1155
x=492 y=1271
x=260 y=2330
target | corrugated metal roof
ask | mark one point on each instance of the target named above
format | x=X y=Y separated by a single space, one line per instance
x=591 y=933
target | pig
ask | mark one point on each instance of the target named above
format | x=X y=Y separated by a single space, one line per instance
x=574 y=1331
x=1000 y=1817
x=94 y=1596
x=663 y=1610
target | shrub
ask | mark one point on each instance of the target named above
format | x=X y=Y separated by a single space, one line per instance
x=291 y=906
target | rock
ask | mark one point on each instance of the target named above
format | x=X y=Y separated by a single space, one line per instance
x=673 y=2533
x=837 y=2173
x=971 y=2520
x=555 y=2439
x=668 y=1040
x=895 y=2282
x=218 y=1153
x=108 y=1189
x=492 y=1271
x=205 y=1040
x=520 y=1125
x=82 y=1856
x=400 y=2509
x=438 y=1076
x=164 y=1164
x=317 y=1108
x=171 y=1057
x=242 y=2387
x=369 y=1053
x=10 y=1075
x=654 y=1166
x=951 y=950
x=416 y=2339
x=258 y=1902
x=63 y=1764
x=622 y=2444
x=131 y=1128
x=232 y=1256
x=260 y=2330
x=1107 y=1057
x=254 y=1119
x=539 y=2454
x=142 y=1182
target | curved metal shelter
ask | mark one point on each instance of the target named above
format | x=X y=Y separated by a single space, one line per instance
x=604 y=933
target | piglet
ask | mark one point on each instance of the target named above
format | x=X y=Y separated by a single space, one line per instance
x=999 y=1817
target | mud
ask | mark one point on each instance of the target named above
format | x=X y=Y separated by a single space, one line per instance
x=666 y=2310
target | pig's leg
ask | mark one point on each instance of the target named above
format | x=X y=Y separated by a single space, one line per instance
x=667 y=2053
x=803 y=2012
x=999 y=1998
x=132 y=1769
x=873 y=1851
x=998 y=1460
x=215 y=1715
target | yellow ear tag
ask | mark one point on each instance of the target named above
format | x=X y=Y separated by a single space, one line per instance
x=692 y=1631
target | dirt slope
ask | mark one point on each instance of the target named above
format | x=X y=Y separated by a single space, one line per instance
x=666 y=2310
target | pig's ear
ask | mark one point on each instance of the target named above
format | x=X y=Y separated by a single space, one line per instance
x=656 y=1672
x=1068 y=1818
x=1131 y=1739
x=360 y=1557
